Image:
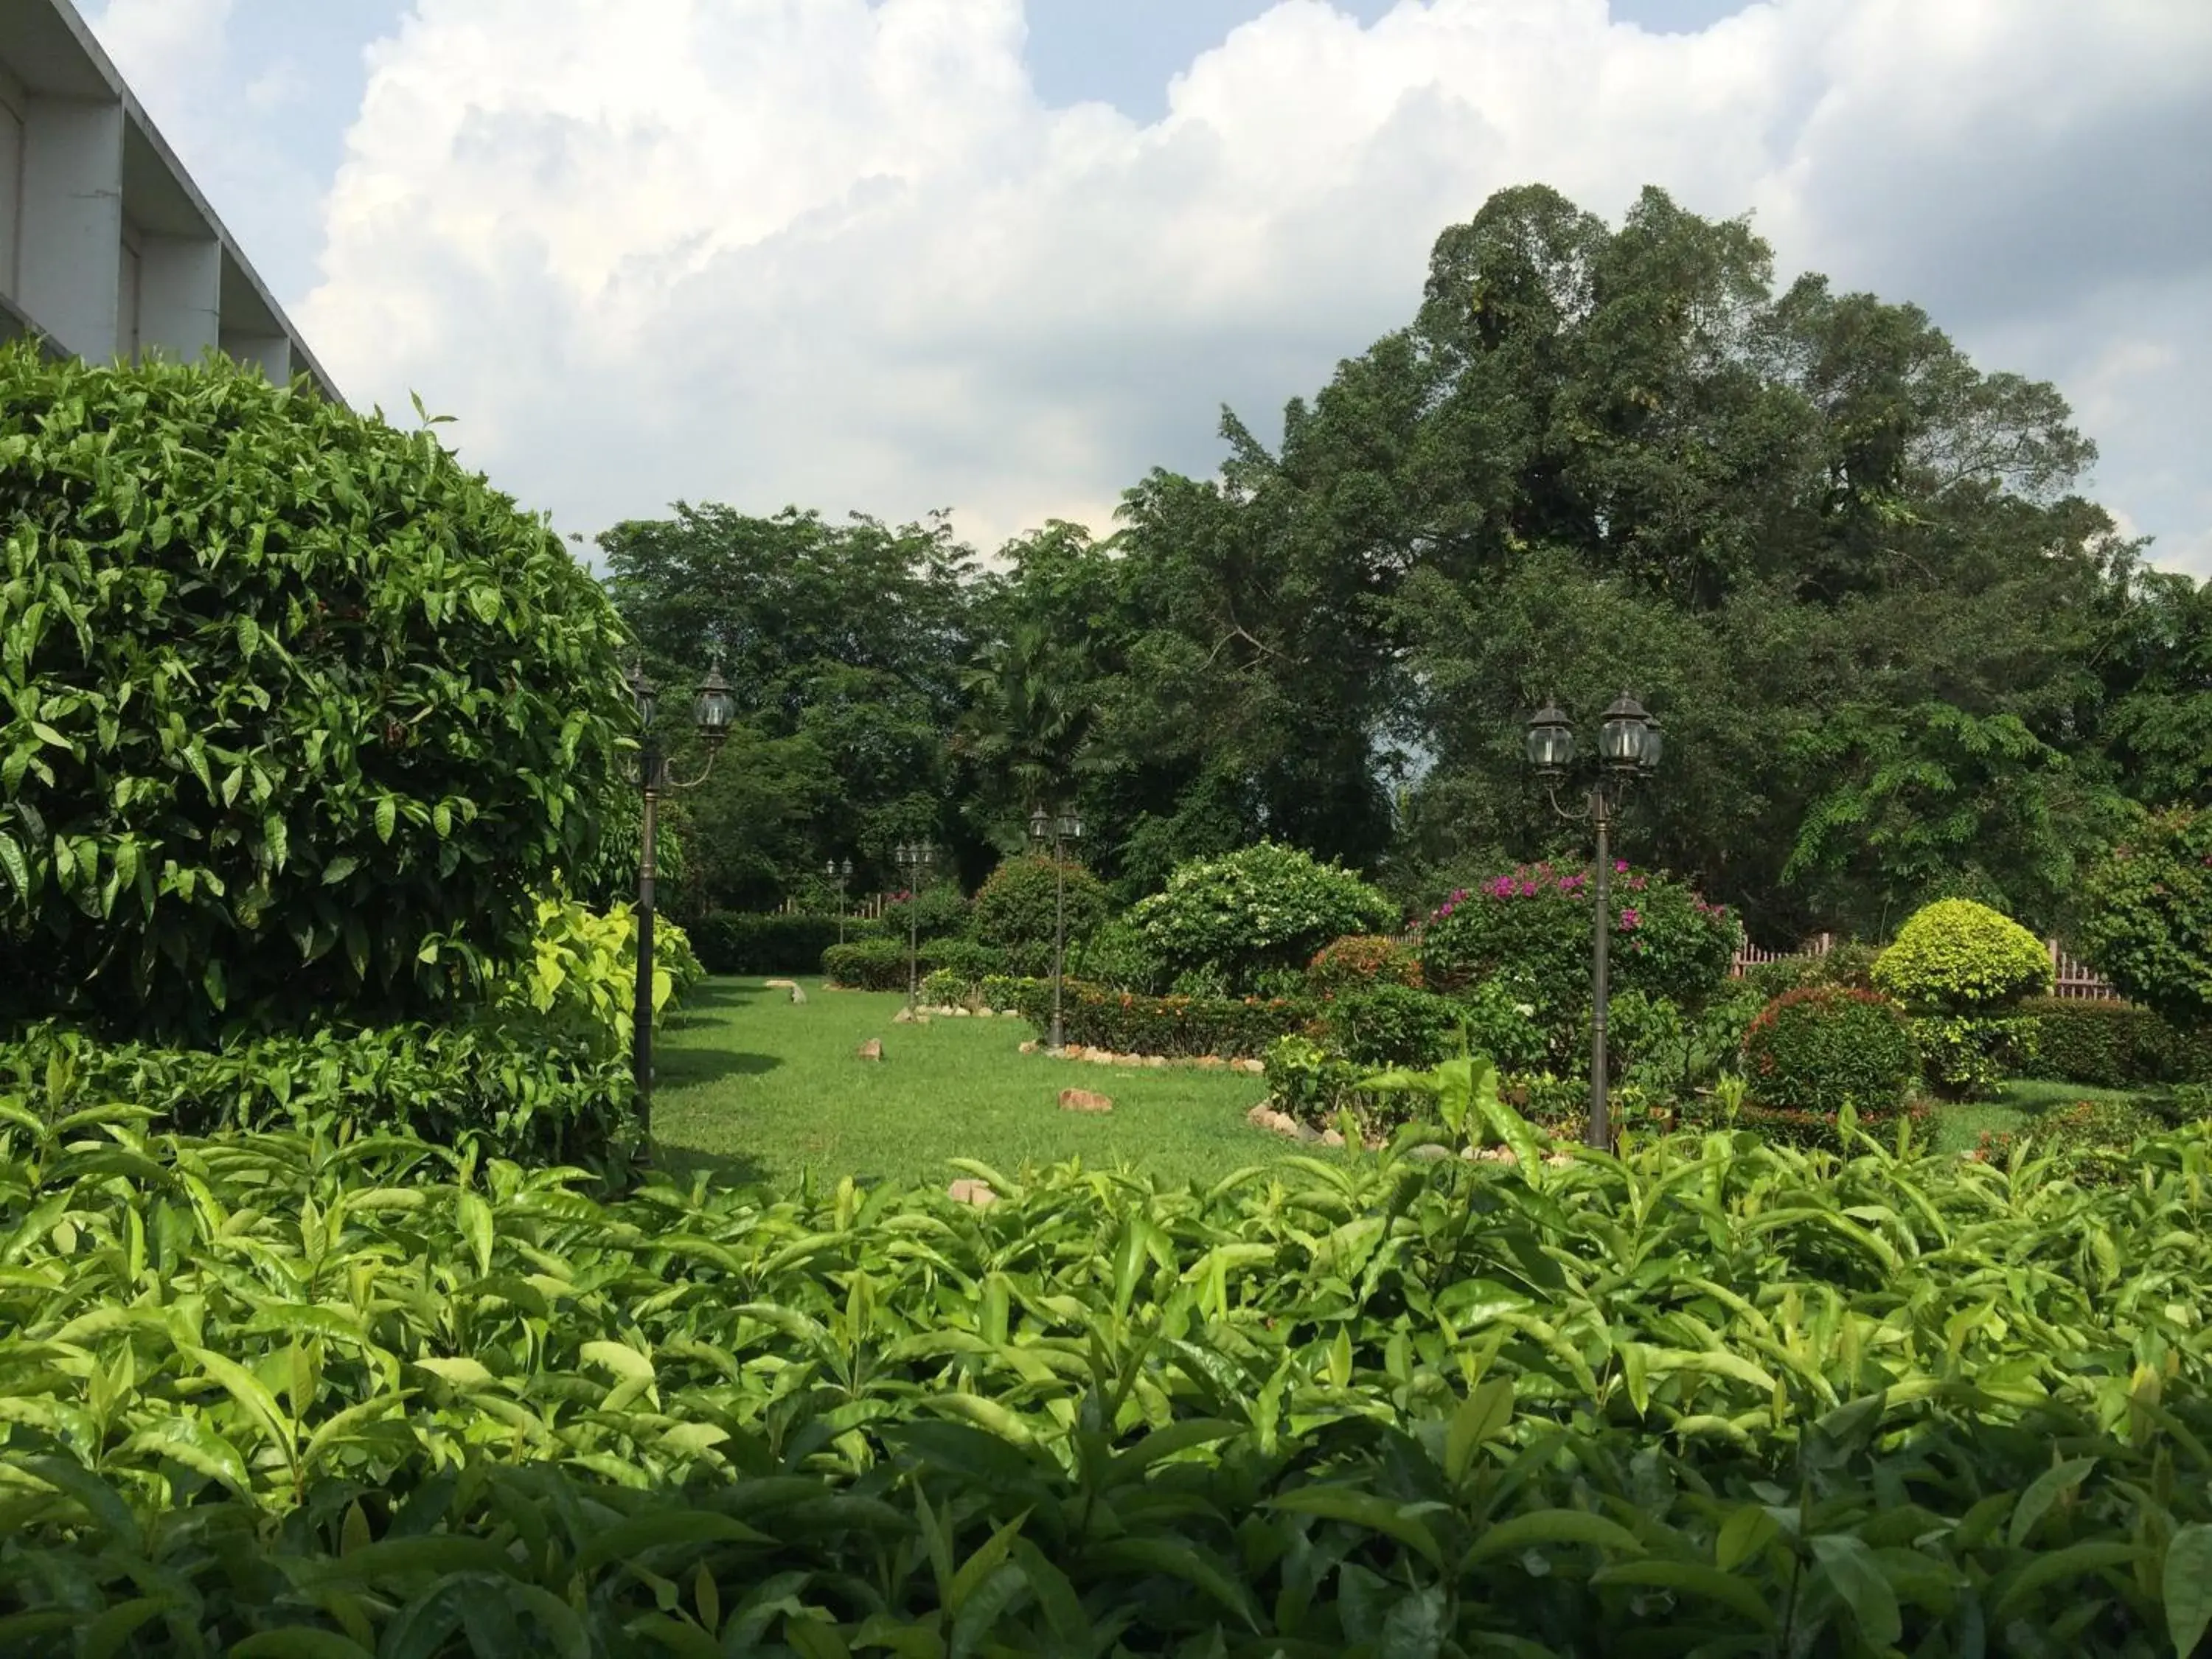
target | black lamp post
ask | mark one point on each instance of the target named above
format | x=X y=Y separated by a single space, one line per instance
x=914 y=857
x=1627 y=749
x=1055 y=829
x=710 y=712
x=840 y=875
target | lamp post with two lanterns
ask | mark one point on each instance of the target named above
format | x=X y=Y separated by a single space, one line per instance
x=914 y=858
x=711 y=709
x=1055 y=829
x=840 y=876
x=1627 y=749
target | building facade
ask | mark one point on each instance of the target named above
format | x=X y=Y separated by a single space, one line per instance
x=107 y=249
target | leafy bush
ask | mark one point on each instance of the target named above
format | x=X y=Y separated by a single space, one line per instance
x=296 y=715
x=1531 y=931
x=965 y=957
x=750 y=942
x=1359 y=960
x=1118 y=957
x=580 y=978
x=941 y=912
x=506 y=1087
x=1847 y=962
x=2110 y=1045
x=1812 y=1050
x=1263 y=907
x=497 y=1416
x=1955 y=957
x=1502 y=1027
x=2147 y=915
x=1014 y=909
x=1394 y=1025
x=1313 y=1083
x=2086 y=1126
x=868 y=965
x=1235 y=1028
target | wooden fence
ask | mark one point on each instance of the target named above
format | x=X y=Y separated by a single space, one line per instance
x=2070 y=977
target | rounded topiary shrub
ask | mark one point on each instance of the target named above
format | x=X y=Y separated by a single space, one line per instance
x=1812 y=1049
x=1961 y=969
x=1263 y=908
x=1360 y=960
x=1016 y=908
x=295 y=713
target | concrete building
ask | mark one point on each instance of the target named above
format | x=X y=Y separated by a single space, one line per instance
x=107 y=249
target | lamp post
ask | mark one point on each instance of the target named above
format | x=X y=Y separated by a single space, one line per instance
x=839 y=876
x=711 y=709
x=1055 y=829
x=1627 y=749
x=914 y=857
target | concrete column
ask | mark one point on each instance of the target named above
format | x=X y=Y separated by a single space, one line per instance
x=70 y=252
x=273 y=352
x=179 y=297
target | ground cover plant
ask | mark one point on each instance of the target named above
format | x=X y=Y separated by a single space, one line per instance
x=754 y=1087
x=1712 y=1397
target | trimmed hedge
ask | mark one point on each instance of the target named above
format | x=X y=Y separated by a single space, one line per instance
x=1390 y=1024
x=751 y=942
x=1811 y=1050
x=873 y=964
x=2110 y=1045
x=1235 y=1028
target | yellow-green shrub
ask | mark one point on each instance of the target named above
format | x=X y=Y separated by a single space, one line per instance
x=581 y=976
x=1960 y=968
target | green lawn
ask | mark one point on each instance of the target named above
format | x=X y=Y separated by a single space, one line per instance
x=759 y=1088
x=1960 y=1127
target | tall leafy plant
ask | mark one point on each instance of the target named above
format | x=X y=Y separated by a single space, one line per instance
x=295 y=713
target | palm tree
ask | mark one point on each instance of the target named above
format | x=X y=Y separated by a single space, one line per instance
x=1028 y=717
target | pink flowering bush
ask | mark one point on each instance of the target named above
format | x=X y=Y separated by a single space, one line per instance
x=1530 y=931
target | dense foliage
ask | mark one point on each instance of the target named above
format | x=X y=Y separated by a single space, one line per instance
x=1389 y=1024
x=578 y=977
x=1822 y=1047
x=1359 y=960
x=1126 y=1022
x=868 y=965
x=1960 y=968
x=296 y=715
x=2110 y=1045
x=745 y=942
x=1019 y=907
x=1722 y=1396
x=1261 y=909
x=1530 y=930
x=2147 y=920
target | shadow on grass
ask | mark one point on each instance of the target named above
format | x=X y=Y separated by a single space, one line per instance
x=723 y=1171
x=715 y=997
x=682 y=1067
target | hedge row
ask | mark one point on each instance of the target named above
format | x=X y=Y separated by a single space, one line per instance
x=2112 y=1045
x=1180 y=1027
x=746 y=942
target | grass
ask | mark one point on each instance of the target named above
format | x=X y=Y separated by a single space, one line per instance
x=755 y=1088
x=1958 y=1127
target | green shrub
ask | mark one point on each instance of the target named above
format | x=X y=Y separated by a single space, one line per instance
x=2086 y=1126
x=1118 y=957
x=755 y=943
x=1531 y=931
x=1263 y=907
x=580 y=977
x=2110 y=1045
x=1812 y=1049
x=941 y=912
x=868 y=965
x=1502 y=1027
x=1394 y=1025
x=1847 y=962
x=1372 y=1408
x=296 y=714
x=1235 y=1028
x=1313 y=1083
x=965 y=958
x=1955 y=957
x=507 y=1087
x=1015 y=908
x=1359 y=960
x=2147 y=915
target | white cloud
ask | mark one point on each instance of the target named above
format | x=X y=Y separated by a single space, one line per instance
x=838 y=253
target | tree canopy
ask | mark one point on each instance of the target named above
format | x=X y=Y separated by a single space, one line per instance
x=1899 y=655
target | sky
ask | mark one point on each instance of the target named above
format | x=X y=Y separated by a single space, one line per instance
x=1003 y=258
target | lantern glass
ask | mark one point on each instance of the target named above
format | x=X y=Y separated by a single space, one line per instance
x=845 y=871
x=644 y=694
x=712 y=707
x=1040 y=825
x=1071 y=826
x=1621 y=734
x=1652 y=746
x=1551 y=741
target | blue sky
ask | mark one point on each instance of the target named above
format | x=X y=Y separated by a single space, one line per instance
x=894 y=255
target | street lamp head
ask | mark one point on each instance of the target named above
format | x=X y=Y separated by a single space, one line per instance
x=712 y=707
x=845 y=871
x=1071 y=825
x=1621 y=735
x=1551 y=741
x=643 y=694
x=1040 y=826
x=1652 y=746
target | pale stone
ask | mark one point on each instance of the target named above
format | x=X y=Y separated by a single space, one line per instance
x=798 y=994
x=1210 y=1063
x=1073 y=1051
x=1428 y=1153
x=781 y=984
x=1251 y=1067
x=1157 y=1062
x=968 y=1191
x=905 y=1016
x=1084 y=1100
x=1262 y=1116
x=1332 y=1138
x=1030 y=1047
x=957 y=1013
x=872 y=1048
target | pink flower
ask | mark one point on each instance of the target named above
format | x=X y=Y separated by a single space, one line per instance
x=1628 y=917
x=1621 y=867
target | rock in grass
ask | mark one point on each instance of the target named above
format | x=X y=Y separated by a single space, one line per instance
x=1084 y=1100
x=872 y=1048
x=781 y=984
x=1028 y=1048
x=798 y=994
x=968 y=1191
